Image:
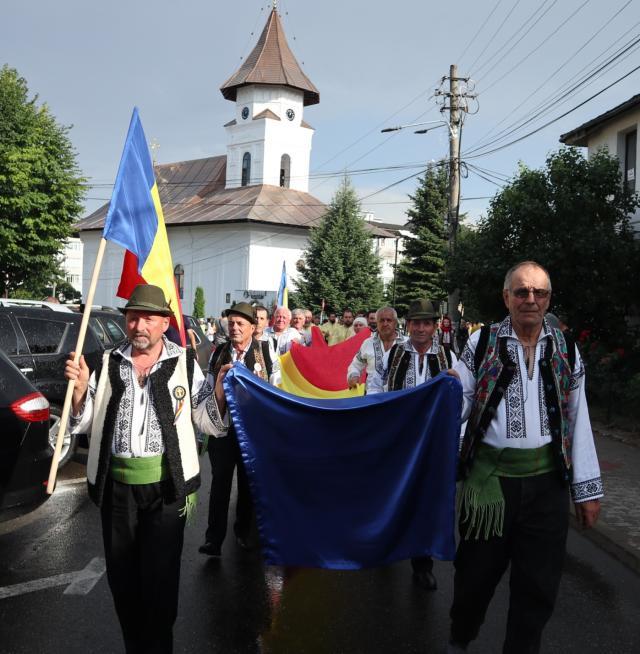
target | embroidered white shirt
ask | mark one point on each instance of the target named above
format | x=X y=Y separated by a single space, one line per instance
x=417 y=374
x=373 y=357
x=138 y=433
x=521 y=419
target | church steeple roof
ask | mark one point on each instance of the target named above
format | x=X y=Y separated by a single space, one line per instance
x=271 y=62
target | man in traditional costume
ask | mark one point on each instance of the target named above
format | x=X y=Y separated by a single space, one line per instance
x=411 y=363
x=224 y=452
x=374 y=352
x=281 y=333
x=139 y=407
x=528 y=438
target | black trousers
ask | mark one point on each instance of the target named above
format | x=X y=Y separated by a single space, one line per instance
x=225 y=457
x=534 y=541
x=143 y=539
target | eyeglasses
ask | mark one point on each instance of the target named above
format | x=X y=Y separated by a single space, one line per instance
x=538 y=293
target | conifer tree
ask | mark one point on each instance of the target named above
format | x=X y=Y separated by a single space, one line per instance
x=340 y=265
x=421 y=273
x=198 y=303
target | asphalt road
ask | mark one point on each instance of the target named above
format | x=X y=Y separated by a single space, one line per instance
x=234 y=605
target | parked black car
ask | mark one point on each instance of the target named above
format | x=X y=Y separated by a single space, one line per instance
x=25 y=454
x=38 y=341
x=203 y=345
x=108 y=325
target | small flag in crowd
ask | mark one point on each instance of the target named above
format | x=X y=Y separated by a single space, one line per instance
x=283 y=291
x=136 y=222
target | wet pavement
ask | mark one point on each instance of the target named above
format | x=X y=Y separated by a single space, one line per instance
x=233 y=605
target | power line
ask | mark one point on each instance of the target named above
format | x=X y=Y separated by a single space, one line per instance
x=475 y=36
x=557 y=70
x=558 y=97
x=493 y=36
x=566 y=113
x=521 y=61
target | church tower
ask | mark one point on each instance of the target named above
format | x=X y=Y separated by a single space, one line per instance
x=268 y=140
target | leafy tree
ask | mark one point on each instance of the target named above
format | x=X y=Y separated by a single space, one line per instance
x=572 y=217
x=421 y=273
x=40 y=187
x=198 y=303
x=340 y=265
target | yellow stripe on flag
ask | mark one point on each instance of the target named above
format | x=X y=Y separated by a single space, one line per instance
x=293 y=382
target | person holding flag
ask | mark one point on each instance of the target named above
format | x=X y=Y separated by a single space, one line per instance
x=140 y=406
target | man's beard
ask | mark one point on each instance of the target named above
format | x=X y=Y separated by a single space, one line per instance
x=141 y=343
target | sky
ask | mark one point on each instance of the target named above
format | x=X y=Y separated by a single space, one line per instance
x=376 y=64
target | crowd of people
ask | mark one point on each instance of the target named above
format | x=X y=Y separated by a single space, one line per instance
x=527 y=446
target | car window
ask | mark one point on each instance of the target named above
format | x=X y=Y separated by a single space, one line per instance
x=43 y=336
x=98 y=330
x=8 y=338
x=114 y=329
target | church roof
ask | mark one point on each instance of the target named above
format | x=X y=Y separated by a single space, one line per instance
x=193 y=192
x=271 y=62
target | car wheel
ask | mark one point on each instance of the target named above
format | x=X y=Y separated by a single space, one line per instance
x=70 y=440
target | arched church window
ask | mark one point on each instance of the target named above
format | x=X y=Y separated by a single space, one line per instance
x=285 y=170
x=178 y=274
x=246 y=169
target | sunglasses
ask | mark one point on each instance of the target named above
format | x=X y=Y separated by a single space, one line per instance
x=538 y=293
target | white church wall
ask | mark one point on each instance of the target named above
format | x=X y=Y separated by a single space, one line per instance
x=268 y=250
x=213 y=257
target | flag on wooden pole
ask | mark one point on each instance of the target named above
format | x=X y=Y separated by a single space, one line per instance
x=136 y=222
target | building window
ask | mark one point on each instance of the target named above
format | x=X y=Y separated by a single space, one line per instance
x=178 y=274
x=630 y=146
x=246 y=169
x=285 y=170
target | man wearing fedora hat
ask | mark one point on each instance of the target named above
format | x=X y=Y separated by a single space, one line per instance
x=139 y=407
x=224 y=453
x=411 y=363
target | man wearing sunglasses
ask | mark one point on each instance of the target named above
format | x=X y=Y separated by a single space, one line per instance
x=528 y=439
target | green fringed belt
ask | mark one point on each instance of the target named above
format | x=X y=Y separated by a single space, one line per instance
x=481 y=499
x=148 y=470
x=139 y=469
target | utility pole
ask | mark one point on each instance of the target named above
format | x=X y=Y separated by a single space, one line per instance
x=454 y=158
x=454 y=107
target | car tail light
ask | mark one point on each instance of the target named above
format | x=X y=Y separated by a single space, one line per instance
x=32 y=408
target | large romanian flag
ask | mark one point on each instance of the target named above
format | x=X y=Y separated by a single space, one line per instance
x=136 y=222
x=320 y=370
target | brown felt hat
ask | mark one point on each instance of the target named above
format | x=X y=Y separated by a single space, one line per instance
x=243 y=309
x=421 y=309
x=147 y=297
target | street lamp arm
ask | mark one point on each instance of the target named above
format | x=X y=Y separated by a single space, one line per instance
x=436 y=123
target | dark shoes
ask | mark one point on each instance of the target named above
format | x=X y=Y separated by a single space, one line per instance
x=425 y=580
x=245 y=543
x=210 y=549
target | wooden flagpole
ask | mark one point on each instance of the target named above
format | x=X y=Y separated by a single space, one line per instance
x=66 y=407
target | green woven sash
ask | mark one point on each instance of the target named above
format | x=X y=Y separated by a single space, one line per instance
x=139 y=470
x=148 y=470
x=481 y=499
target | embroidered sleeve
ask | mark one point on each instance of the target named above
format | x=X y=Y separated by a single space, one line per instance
x=357 y=365
x=465 y=368
x=577 y=374
x=591 y=489
x=586 y=484
x=205 y=413
x=80 y=423
x=468 y=353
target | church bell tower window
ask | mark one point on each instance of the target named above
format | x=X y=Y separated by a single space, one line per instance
x=246 y=169
x=285 y=170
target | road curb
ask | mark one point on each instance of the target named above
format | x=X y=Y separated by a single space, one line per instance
x=604 y=537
